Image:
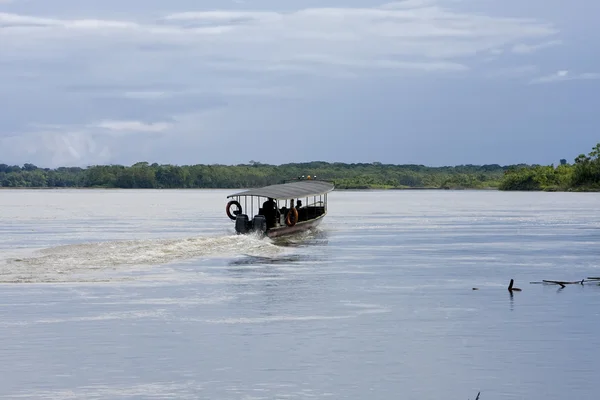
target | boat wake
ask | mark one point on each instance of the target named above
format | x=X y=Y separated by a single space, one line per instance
x=79 y=262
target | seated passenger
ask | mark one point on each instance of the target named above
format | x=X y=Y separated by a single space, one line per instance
x=269 y=204
x=270 y=211
x=301 y=211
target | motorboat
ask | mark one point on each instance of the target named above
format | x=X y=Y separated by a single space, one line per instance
x=278 y=210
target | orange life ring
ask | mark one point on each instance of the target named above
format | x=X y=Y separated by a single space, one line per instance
x=288 y=220
x=228 y=209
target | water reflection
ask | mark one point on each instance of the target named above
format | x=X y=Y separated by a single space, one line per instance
x=312 y=237
x=275 y=260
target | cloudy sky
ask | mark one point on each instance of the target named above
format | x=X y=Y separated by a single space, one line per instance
x=435 y=82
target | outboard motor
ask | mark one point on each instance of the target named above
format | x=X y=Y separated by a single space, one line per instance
x=259 y=224
x=242 y=224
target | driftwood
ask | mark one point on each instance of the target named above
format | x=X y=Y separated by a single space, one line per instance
x=511 y=288
x=563 y=283
x=560 y=283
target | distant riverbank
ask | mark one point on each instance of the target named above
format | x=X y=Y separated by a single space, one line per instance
x=583 y=175
x=217 y=188
x=345 y=176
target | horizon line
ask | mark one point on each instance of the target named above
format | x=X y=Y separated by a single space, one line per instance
x=258 y=164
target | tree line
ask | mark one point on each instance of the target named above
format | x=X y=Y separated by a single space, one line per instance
x=252 y=174
x=583 y=174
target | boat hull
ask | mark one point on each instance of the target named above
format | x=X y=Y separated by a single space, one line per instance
x=299 y=227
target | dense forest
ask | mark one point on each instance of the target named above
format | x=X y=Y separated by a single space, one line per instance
x=584 y=174
x=253 y=174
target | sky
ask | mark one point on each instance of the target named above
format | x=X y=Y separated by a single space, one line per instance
x=433 y=82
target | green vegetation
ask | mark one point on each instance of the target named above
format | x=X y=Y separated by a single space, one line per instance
x=253 y=174
x=583 y=175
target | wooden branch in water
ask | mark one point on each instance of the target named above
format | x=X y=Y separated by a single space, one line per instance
x=593 y=278
x=555 y=283
x=563 y=283
x=511 y=288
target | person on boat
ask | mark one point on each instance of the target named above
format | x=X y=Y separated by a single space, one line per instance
x=269 y=203
x=269 y=210
x=300 y=212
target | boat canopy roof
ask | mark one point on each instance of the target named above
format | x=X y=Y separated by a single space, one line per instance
x=290 y=190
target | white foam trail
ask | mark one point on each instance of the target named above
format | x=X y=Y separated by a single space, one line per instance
x=62 y=263
x=181 y=390
x=359 y=310
x=122 y=315
x=157 y=390
x=274 y=318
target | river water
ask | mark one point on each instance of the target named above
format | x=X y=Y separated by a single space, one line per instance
x=149 y=294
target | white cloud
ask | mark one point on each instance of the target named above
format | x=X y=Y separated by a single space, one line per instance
x=513 y=72
x=54 y=148
x=406 y=35
x=65 y=145
x=565 y=75
x=407 y=4
x=133 y=126
x=530 y=48
x=145 y=95
x=62 y=145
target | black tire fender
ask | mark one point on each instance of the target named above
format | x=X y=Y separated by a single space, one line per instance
x=234 y=214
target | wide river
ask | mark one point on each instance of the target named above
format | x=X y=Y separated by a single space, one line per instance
x=127 y=294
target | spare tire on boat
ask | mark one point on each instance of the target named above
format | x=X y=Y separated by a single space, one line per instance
x=235 y=213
